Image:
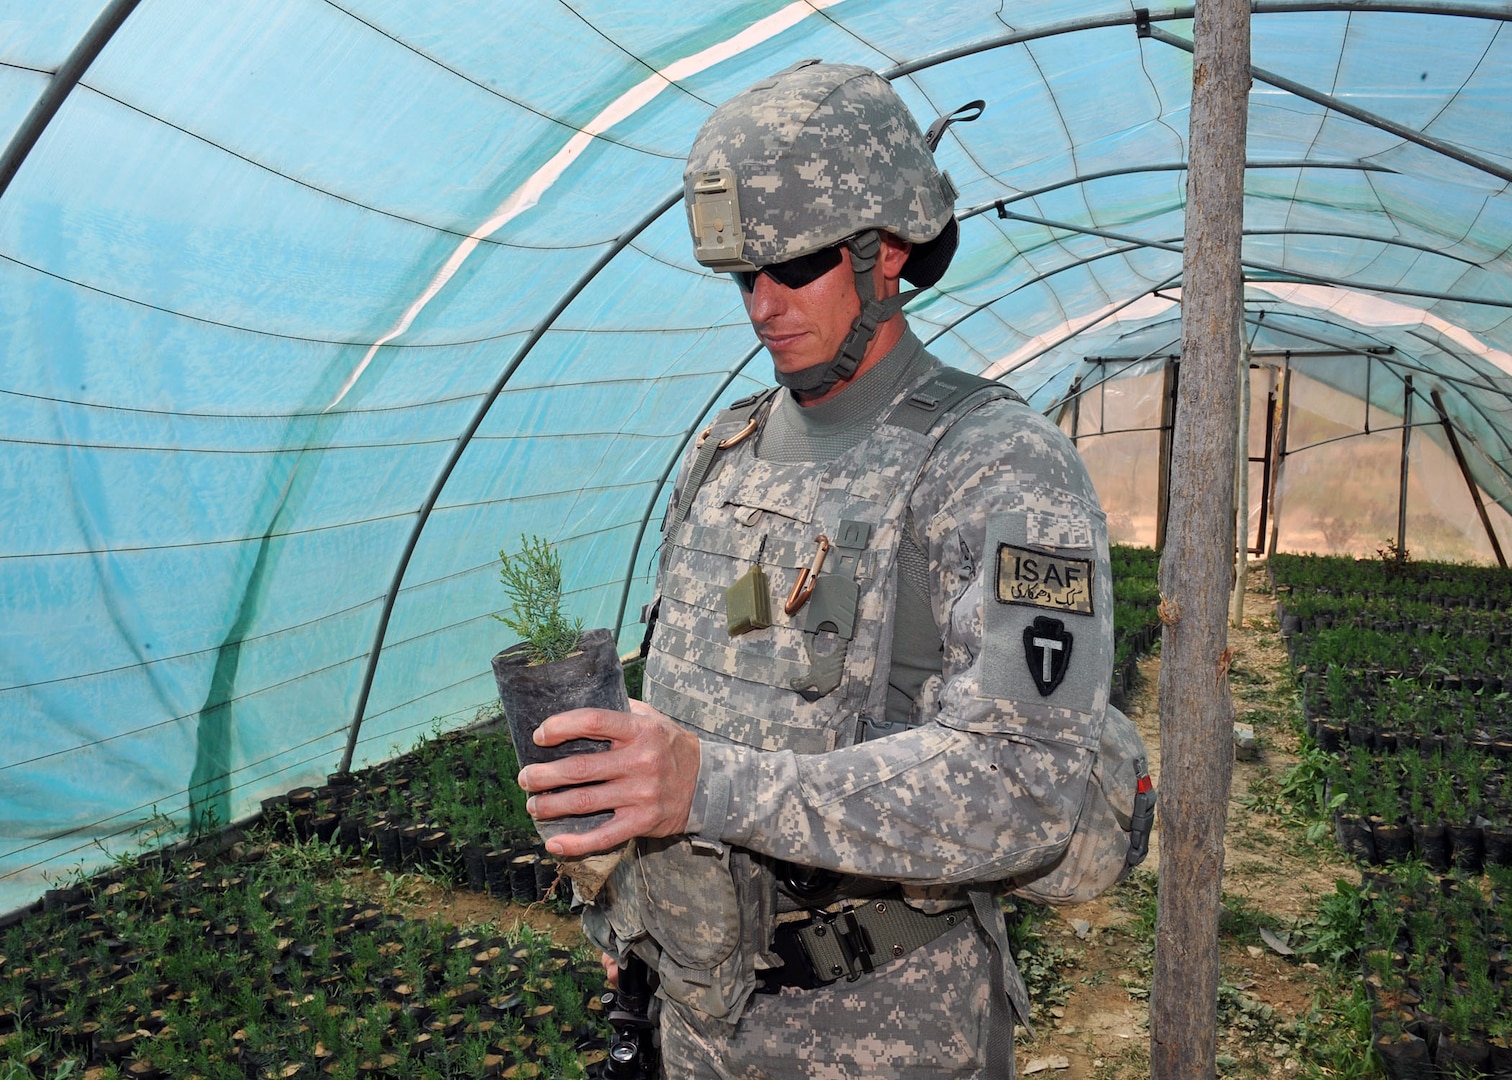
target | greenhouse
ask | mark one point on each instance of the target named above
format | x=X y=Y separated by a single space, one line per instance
x=309 y=309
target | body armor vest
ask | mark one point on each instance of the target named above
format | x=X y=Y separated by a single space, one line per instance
x=815 y=679
x=812 y=681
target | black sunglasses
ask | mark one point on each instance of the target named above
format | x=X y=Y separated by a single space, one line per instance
x=794 y=273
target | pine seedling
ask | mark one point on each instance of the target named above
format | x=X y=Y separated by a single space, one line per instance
x=532 y=580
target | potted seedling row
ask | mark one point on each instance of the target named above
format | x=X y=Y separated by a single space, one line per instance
x=272 y=970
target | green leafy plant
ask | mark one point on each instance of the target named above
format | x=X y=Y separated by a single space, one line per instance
x=532 y=579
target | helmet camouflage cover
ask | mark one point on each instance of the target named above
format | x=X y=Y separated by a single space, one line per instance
x=806 y=158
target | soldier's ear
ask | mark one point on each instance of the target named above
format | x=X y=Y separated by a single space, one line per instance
x=893 y=255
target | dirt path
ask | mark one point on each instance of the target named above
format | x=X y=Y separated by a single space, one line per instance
x=1105 y=947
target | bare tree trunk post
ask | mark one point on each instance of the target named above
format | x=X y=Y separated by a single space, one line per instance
x=1196 y=712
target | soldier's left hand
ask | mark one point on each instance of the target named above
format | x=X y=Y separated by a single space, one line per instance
x=647 y=777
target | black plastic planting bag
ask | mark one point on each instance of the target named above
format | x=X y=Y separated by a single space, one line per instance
x=590 y=678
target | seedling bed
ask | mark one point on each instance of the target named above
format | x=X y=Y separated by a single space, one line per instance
x=271 y=968
x=1409 y=700
x=449 y=808
x=1450 y=810
x=1136 y=619
x=1439 y=977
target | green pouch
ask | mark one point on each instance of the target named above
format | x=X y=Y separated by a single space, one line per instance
x=748 y=603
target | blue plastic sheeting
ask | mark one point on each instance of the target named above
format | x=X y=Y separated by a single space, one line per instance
x=278 y=275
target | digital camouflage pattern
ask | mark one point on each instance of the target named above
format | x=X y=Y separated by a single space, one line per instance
x=986 y=787
x=987 y=784
x=921 y=1016
x=821 y=152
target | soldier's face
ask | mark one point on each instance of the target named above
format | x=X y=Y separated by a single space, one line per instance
x=804 y=326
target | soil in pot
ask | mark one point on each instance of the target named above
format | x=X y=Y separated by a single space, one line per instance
x=1354 y=836
x=590 y=678
x=1468 y=1056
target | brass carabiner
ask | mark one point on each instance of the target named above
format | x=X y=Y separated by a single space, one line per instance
x=734 y=440
x=803 y=588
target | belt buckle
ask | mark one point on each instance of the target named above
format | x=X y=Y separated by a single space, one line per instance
x=798 y=968
x=855 y=942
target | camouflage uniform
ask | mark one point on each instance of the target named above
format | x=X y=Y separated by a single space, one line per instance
x=982 y=786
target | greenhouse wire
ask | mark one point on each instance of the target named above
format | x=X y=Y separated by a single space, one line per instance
x=566 y=125
x=205 y=321
x=1076 y=389
x=672 y=462
x=1280 y=273
x=1365 y=116
x=1392 y=363
x=1171 y=166
x=1387 y=241
x=952 y=324
x=77 y=676
x=1180 y=14
x=245 y=780
x=1485 y=386
x=1071 y=336
x=247 y=695
x=444 y=230
x=423 y=513
x=157 y=815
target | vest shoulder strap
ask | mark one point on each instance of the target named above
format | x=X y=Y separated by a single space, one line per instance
x=924 y=409
x=739 y=412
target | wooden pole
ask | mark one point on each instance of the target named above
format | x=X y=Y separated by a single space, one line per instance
x=1401 y=537
x=1196 y=712
x=1283 y=413
x=1241 y=491
x=1267 y=460
x=1170 y=387
x=1464 y=468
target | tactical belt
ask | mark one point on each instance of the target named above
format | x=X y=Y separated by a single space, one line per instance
x=845 y=944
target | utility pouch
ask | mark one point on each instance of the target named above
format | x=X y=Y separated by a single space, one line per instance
x=696 y=904
x=1112 y=834
x=748 y=603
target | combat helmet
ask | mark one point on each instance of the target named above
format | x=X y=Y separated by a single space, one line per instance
x=814 y=156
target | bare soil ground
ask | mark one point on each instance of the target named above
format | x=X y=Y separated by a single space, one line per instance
x=1097 y=957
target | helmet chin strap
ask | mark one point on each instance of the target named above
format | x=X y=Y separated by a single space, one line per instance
x=864 y=249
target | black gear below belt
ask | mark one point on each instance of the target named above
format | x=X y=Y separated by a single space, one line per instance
x=853 y=941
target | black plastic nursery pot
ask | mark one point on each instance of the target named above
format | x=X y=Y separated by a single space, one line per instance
x=1406 y=1056
x=590 y=678
x=1393 y=841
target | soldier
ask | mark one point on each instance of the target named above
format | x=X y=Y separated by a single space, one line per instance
x=880 y=669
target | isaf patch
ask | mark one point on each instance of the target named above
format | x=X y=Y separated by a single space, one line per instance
x=1047 y=646
x=1038 y=579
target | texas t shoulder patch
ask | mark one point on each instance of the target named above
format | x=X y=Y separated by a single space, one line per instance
x=1035 y=578
x=1047 y=647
